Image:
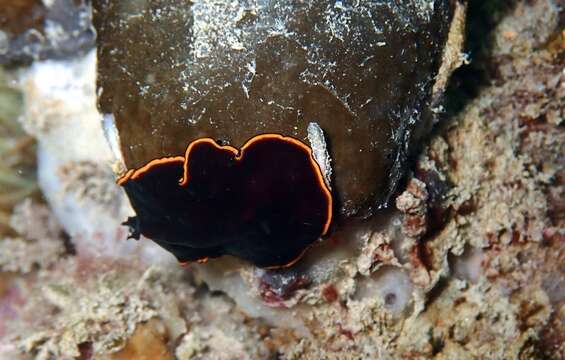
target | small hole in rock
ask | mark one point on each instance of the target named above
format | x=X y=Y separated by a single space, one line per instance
x=390 y=299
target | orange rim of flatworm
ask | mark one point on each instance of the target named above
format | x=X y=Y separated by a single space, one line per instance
x=238 y=155
x=203 y=260
x=135 y=174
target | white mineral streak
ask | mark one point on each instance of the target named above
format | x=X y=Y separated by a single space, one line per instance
x=74 y=159
x=113 y=139
x=320 y=151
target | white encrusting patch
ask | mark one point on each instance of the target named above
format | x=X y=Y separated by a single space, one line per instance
x=112 y=137
x=320 y=151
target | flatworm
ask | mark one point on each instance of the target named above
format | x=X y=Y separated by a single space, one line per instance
x=266 y=203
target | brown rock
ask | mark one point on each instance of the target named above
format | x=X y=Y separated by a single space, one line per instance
x=171 y=72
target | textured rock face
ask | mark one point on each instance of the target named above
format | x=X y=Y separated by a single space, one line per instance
x=36 y=29
x=171 y=72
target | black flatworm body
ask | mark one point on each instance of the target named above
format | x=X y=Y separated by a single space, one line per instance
x=266 y=203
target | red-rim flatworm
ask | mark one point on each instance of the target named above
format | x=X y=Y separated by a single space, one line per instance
x=266 y=203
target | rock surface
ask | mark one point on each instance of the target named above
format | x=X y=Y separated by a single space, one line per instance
x=172 y=72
